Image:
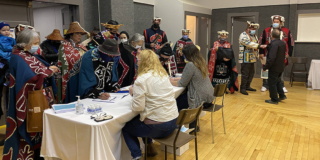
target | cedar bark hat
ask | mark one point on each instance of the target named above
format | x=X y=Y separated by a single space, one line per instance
x=76 y=28
x=109 y=47
x=55 y=36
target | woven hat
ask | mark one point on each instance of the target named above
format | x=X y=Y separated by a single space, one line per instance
x=76 y=28
x=253 y=24
x=111 y=26
x=109 y=47
x=185 y=31
x=55 y=36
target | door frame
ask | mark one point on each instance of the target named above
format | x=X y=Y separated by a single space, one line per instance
x=229 y=29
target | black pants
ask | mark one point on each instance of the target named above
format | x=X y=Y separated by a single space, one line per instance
x=247 y=73
x=265 y=83
x=275 y=87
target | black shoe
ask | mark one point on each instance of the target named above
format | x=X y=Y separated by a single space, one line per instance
x=271 y=101
x=251 y=89
x=244 y=92
x=283 y=98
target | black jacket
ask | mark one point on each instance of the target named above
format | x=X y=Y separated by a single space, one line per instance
x=276 y=56
x=50 y=51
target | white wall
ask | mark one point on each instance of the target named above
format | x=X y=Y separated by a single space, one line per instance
x=47 y=19
x=172 y=13
x=216 y=4
x=307 y=32
x=151 y=2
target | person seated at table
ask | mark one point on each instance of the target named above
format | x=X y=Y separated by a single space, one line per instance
x=195 y=77
x=153 y=97
x=28 y=72
x=166 y=56
x=95 y=73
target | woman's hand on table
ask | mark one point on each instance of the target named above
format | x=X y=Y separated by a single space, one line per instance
x=131 y=90
x=104 y=96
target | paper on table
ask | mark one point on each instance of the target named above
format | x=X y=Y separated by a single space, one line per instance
x=63 y=108
x=114 y=98
x=264 y=60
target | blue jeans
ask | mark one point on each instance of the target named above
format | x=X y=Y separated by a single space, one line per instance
x=135 y=128
x=182 y=101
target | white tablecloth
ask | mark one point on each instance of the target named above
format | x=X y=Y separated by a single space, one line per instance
x=314 y=74
x=68 y=136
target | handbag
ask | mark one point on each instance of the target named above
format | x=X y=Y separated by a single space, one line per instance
x=38 y=101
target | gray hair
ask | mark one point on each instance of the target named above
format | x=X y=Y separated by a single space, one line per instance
x=136 y=38
x=26 y=38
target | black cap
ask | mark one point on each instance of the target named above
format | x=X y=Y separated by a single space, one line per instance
x=166 y=50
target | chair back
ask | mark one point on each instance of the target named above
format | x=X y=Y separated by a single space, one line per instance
x=186 y=116
x=299 y=60
x=220 y=89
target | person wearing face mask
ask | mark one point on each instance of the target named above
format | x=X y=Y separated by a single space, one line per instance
x=69 y=53
x=285 y=36
x=51 y=46
x=248 y=53
x=185 y=40
x=127 y=68
x=28 y=72
x=222 y=65
x=95 y=73
x=155 y=38
x=167 y=62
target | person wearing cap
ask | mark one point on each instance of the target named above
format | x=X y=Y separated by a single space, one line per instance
x=248 y=54
x=166 y=57
x=155 y=38
x=285 y=36
x=51 y=46
x=95 y=73
x=185 y=40
x=129 y=50
x=70 y=52
x=222 y=65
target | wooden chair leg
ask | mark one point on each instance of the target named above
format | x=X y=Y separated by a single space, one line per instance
x=212 y=126
x=174 y=152
x=165 y=149
x=196 y=147
x=145 y=146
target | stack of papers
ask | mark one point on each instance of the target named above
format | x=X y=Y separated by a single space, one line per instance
x=114 y=97
x=63 y=108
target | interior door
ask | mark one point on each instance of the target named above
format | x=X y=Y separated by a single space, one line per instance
x=239 y=24
x=203 y=36
x=66 y=20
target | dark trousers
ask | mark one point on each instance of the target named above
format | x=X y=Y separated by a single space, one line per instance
x=247 y=73
x=265 y=83
x=275 y=87
x=135 y=128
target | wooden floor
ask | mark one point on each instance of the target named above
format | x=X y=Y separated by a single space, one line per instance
x=256 y=130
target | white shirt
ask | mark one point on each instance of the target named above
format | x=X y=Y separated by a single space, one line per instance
x=153 y=96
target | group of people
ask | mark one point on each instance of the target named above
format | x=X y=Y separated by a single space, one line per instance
x=108 y=61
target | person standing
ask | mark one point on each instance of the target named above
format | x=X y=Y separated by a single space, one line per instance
x=275 y=65
x=248 y=54
x=155 y=38
x=185 y=40
x=51 y=46
x=222 y=65
x=285 y=35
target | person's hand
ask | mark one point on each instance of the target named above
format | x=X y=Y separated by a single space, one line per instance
x=152 y=45
x=287 y=56
x=226 y=59
x=104 y=96
x=261 y=56
x=116 y=90
x=217 y=48
x=263 y=46
x=131 y=90
x=54 y=69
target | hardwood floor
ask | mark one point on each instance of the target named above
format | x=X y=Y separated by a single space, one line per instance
x=256 y=130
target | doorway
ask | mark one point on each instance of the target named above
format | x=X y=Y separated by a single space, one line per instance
x=199 y=26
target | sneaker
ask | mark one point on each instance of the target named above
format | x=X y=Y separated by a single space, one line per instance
x=285 y=90
x=263 y=89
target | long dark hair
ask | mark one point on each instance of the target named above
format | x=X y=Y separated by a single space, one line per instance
x=68 y=36
x=192 y=54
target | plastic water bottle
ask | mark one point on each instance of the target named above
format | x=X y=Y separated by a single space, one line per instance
x=79 y=107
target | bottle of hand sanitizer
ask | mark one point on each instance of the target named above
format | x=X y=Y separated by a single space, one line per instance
x=79 y=106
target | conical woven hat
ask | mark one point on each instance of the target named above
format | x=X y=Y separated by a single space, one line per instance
x=75 y=27
x=55 y=36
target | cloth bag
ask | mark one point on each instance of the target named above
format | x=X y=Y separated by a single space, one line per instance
x=37 y=103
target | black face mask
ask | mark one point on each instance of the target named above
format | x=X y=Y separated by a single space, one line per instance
x=164 y=59
x=156 y=25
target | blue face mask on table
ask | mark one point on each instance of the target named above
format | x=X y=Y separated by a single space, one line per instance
x=252 y=32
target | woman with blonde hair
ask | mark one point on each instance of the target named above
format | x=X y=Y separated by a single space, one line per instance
x=153 y=97
x=195 y=77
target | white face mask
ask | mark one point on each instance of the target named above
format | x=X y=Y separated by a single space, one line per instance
x=124 y=40
x=137 y=47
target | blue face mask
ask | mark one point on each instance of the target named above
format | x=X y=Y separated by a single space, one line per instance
x=34 y=49
x=185 y=37
x=275 y=25
x=252 y=32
